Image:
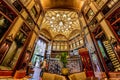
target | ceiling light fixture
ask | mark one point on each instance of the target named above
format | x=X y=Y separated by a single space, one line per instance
x=61 y=21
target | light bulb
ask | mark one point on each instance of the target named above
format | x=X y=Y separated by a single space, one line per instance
x=70 y=23
x=64 y=15
x=69 y=18
x=58 y=15
x=60 y=23
x=53 y=18
x=51 y=22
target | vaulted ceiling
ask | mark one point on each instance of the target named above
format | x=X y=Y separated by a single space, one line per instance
x=62 y=4
x=61 y=18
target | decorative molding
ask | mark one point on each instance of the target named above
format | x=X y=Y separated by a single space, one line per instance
x=10 y=37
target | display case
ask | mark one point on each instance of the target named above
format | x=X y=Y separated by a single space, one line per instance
x=30 y=21
x=14 y=50
x=7 y=17
x=109 y=6
x=93 y=24
x=34 y=13
x=16 y=4
x=107 y=54
x=4 y=49
x=90 y=14
x=34 y=10
x=23 y=35
x=114 y=23
x=4 y=25
x=100 y=37
x=100 y=3
x=7 y=11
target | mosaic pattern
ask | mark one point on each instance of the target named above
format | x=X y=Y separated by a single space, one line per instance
x=74 y=65
x=55 y=66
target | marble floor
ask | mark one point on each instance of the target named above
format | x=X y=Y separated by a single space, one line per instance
x=36 y=75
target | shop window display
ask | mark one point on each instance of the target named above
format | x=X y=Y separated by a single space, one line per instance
x=30 y=21
x=7 y=11
x=114 y=23
x=16 y=4
x=34 y=11
x=13 y=52
x=109 y=5
x=90 y=14
x=7 y=17
x=4 y=49
x=4 y=25
x=105 y=48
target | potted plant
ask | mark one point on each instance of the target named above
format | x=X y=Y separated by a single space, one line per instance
x=63 y=59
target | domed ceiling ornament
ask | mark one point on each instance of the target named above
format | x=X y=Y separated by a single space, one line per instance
x=61 y=22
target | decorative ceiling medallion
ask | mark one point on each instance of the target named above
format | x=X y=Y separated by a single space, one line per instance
x=61 y=21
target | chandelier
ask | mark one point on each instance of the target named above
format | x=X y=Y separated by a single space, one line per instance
x=61 y=21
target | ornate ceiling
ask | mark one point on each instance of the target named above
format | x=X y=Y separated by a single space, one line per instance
x=61 y=18
x=62 y=4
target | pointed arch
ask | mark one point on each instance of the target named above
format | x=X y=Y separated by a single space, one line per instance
x=45 y=33
x=74 y=33
x=60 y=37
